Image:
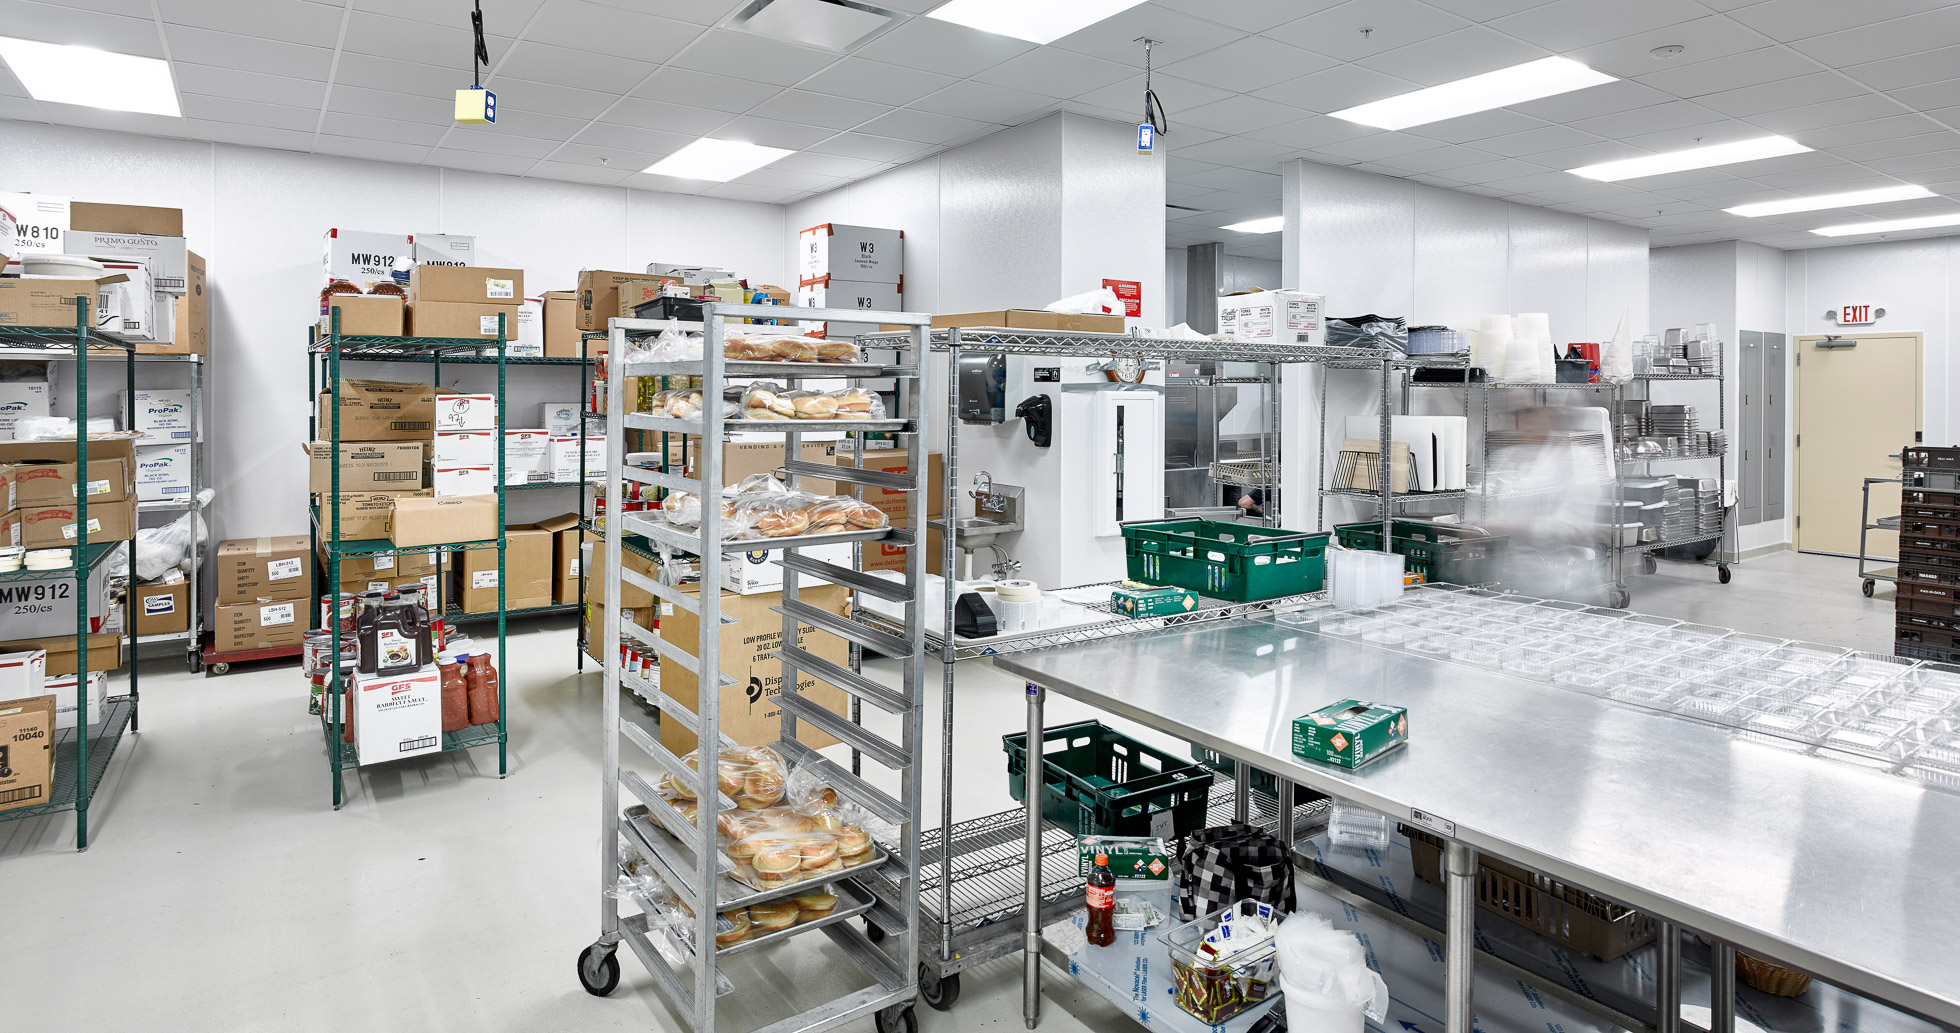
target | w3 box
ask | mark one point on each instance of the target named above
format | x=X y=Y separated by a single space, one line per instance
x=1350 y=733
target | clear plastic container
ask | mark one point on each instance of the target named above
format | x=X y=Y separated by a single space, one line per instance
x=1532 y=662
x=1350 y=824
x=1431 y=645
x=1488 y=655
x=1214 y=987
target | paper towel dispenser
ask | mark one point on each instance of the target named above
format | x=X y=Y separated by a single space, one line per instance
x=983 y=387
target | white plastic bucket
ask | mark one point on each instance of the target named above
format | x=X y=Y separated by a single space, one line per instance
x=1319 y=1013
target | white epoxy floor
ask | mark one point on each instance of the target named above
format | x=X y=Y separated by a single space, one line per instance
x=221 y=892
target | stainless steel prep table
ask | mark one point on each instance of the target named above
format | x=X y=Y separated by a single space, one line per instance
x=1841 y=872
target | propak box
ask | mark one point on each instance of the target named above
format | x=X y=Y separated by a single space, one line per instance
x=1274 y=317
x=163 y=473
x=850 y=253
x=249 y=569
x=750 y=712
x=1350 y=733
x=379 y=410
x=162 y=415
x=365 y=465
x=27 y=727
x=396 y=716
x=22 y=399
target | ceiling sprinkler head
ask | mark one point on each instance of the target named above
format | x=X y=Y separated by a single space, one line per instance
x=1667 y=53
x=1367 y=31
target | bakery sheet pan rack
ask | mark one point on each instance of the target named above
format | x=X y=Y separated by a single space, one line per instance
x=691 y=864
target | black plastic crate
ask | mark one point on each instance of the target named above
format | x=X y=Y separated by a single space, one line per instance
x=1930 y=457
x=1096 y=781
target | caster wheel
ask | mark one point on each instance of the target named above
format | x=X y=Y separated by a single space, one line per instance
x=598 y=970
x=872 y=932
x=1722 y=575
x=939 y=994
x=1649 y=565
x=219 y=668
x=1621 y=598
x=898 y=1020
x=1869 y=586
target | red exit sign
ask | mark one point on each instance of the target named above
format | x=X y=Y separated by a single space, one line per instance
x=1855 y=315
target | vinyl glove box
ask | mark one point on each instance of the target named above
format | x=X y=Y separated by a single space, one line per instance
x=1350 y=733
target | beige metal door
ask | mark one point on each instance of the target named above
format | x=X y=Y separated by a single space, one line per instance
x=1858 y=402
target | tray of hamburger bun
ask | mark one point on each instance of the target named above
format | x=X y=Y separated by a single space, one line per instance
x=745 y=928
x=762 y=509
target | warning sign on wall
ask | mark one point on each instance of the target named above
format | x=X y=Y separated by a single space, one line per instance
x=1131 y=291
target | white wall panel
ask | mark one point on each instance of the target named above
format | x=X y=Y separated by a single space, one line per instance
x=1350 y=236
x=1616 y=278
x=1001 y=220
x=1112 y=212
x=1548 y=271
x=1176 y=263
x=1461 y=256
x=1246 y=273
x=1694 y=283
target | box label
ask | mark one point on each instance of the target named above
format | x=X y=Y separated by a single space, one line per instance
x=487 y=326
x=378 y=586
x=94 y=527
x=483 y=579
x=495 y=288
x=275 y=615
x=100 y=487
x=280 y=570
x=154 y=605
x=384 y=563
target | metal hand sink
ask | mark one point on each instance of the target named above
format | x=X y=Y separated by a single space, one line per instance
x=972 y=531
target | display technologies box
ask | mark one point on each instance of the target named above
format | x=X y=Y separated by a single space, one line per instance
x=750 y=711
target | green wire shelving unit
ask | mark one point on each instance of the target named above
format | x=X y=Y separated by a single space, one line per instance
x=82 y=753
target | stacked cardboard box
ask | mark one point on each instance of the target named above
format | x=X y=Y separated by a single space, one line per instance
x=155 y=292
x=464 y=301
x=41 y=503
x=1927 y=606
x=893 y=503
x=263 y=585
x=857 y=267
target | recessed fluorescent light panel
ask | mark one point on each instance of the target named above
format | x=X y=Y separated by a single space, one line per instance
x=718 y=160
x=61 y=74
x=1037 y=21
x=1692 y=158
x=1849 y=199
x=1272 y=224
x=1926 y=222
x=1514 y=85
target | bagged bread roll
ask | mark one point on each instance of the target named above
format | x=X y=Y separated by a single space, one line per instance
x=857 y=403
x=812 y=405
x=767 y=401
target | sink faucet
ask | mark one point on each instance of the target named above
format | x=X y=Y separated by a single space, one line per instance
x=984 y=500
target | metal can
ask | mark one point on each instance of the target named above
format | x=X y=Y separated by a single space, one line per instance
x=314 y=649
x=344 y=610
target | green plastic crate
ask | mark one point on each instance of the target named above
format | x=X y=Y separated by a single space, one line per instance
x=1238 y=562
x=1264 y=783
x=1441 y=553
x=1097 y=781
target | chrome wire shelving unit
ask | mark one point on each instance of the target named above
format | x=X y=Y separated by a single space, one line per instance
x=81 y=753
x=690 y=860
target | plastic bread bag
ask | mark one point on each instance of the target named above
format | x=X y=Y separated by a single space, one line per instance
x=816 y=349
x=761 y=484
x=754 y=777
x=772 y=515
x=808 y=793
x=682 y=509
x=777 y=846
x=812 y=405
x=754 y=349
x=838 y=514
x=766 y=400
x=857 y=403
x=1326 y=968
x=684 y=405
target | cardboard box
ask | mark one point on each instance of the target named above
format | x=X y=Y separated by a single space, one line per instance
x=564 y=457
x=631 y=596
x=750 y=713
x=62 y=688
x=527 y=456
x=364 y=258
x=8 y=230
x=443 y=248
x=27 y=727
x=125 y=218
x=1030 y=319
x=417 y=520
x=364 y=315
x=126 y=302
x=22 y=399
x=527 y=572
x=386 y=565
x=51 y=302
x=598 y=295
x=57 y=526
x=162 y=415
x=754 y=570
x=459 y=320
x=465 y=448
x=190 y=316
x=1274 y=317
x=850 y=294
x=23 y=674
x=258 y=624
x=110 y=479
x=165 y=253
x=364 y=516
x=365 y=466
x=562 y=419
x=396 y=716
x=594 y=619
x=530 y=331
x=1350 y=733
x=565 y=555
x=40 y=223
x=739 y=459
x=163 y=472
x=10 y=527
x=104 y=651
x=379 y=410
x=1136 y=599
x=248 y=569
x=162 y=609
x=466 y=285
x=456 y=481
x=635 y=293
x=893 y=503
x=459 y=410
x=30 y=609
x=562 y=337
x=850 y=253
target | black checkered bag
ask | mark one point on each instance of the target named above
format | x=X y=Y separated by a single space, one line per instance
x=1222 y=866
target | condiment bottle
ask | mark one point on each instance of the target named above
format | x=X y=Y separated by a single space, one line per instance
x=482 y=681
x=455 y=695
x=1101 y=928
x=367 y=626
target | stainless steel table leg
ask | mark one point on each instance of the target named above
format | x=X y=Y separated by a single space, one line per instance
x=1286 y=831
x=1031 y=938
x=1667 y=980
x=1242 y=795
x=1721 y=990
x=1460 y=929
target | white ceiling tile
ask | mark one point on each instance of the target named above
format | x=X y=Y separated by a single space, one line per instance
x=754 y=57
x=1437 y=159
x=1796 y=121
x=1915 y=166
x=1723 y=193
x=51 y=23
x=414 y=40
x=1750 y=101
x=1249 y=15
x=126 y=8
x=770 y=132
x=1242 y=180
x=831 y=165
x=1481 y=126
x=1336 y=31
x=1177 y=168
x=1374 y=148
x=1242 y=151
x=1336 y=89
x=399 y=76
x=1184 y=193
x=942 y=47
x=923 y=126
x=1654 y=119
x=11 y=87
x=288 y=21
x=705 y=90
x=1910 y=69
x=502 y=17
x=1177 y=95
x=1181 y=141
x=1767 y=65
x=371 y=149
x=618 y=160
x=537 y=125
x=1536 y=141
x=1114 y=38
x=249 y=136
x=630 y=138
x=228 y=50
x=546 y=98
x=1239 y=114
x=1248 y=64
x=818 y=110
x=1890 y=127
x=1930 y=97
x=1586 y=154
x=666 y=184
x=1568 y=25
x=633 y=34
x=478 y=161
x=868 y=147
x=983 y=103
x=667 y=118
x=700 y=12
x=1707 y=39
x=1454 y=55
x=749 y=192
x=1529 y=183
x=1877 y=41
x=784 y=179
x=1312 y=132
x=1830 y=175
x=1721 y=131
x=542 y=63
x=1584 y=192
x=215 y=81
x=382 y=104
x=1593 y=102
x=1501 y=169
x=575 y=173
x=365 y=127
x=1055 y=73
x=494 y=140
x=250 y=112
x=875 y=81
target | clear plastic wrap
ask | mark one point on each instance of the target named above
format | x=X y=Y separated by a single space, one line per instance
x=773 y=515
x=761 y=484
x=812 y=405
x=837 y=515
x=787 y=349
x=684 y=405
x=857 y=403
x=753 y=777
x=766 y=400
